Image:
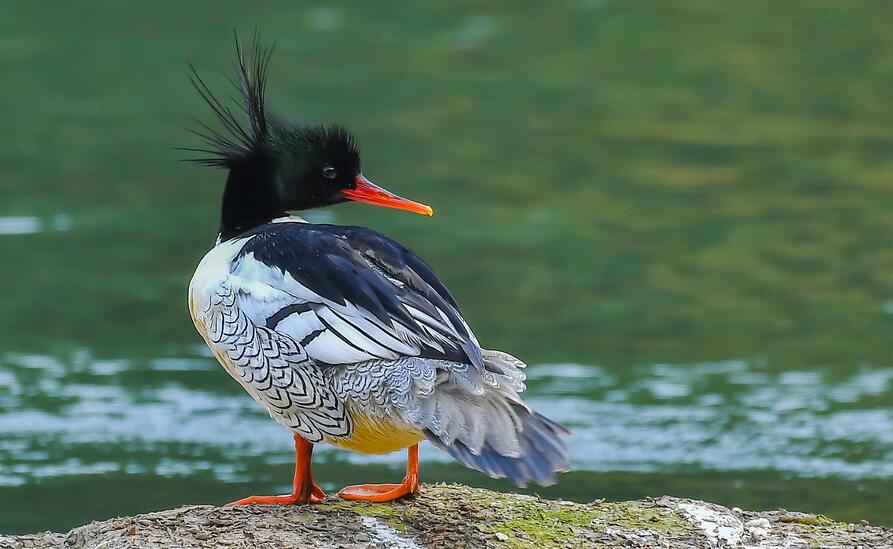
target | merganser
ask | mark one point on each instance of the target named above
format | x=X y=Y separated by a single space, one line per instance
x=343 y=335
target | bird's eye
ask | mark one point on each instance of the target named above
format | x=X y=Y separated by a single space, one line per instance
x=329 y=172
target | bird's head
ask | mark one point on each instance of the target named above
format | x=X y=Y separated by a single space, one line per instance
x=277 y=166
x=320 y=165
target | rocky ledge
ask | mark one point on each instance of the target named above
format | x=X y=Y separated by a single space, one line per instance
x=459 y=516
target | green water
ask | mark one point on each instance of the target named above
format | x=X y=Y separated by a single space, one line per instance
x=678 y=214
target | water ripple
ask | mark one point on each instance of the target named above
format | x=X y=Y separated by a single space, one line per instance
x=726 y=416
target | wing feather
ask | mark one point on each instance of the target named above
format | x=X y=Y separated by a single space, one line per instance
x=349 y=295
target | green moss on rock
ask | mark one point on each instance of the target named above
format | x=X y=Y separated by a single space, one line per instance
x=392 y=514
x=811 y=520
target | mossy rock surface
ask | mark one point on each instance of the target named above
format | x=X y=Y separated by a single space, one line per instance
x=459 y=516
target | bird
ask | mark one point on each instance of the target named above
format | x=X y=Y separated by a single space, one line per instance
x=343 y=335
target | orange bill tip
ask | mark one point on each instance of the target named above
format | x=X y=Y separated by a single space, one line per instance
x=370 y=193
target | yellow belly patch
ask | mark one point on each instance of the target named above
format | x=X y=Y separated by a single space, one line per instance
x=372 y=435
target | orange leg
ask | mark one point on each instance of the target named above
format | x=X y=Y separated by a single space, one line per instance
x=380 y=493
x=303 y=489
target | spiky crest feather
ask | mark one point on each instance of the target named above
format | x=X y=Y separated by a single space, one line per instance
x=238 y=141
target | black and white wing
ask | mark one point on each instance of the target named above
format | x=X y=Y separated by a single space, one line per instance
x=349 y=295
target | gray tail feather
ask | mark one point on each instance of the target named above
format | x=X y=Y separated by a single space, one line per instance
x=542 y=452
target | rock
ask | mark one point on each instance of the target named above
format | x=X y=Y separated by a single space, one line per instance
x=459 y=516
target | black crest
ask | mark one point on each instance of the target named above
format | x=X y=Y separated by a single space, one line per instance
x=236 y=141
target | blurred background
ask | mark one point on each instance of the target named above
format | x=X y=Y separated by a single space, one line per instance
x=678 y=214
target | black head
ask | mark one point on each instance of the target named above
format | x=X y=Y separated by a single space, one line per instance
x=277 y=166
x=314 y=165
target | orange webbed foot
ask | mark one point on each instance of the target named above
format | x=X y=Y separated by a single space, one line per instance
x=381 y=493
x=316 y=496
x=304 y=490
x=378 y=493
